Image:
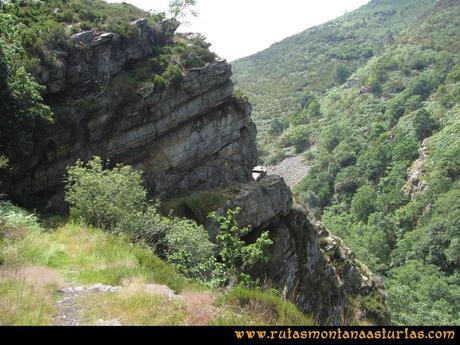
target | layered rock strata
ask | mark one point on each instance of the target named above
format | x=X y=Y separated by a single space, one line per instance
x=191 y=135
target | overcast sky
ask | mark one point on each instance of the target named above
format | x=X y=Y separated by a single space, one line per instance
x=237 y=28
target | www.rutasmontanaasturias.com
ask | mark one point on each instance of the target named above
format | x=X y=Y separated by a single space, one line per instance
x=339 y=334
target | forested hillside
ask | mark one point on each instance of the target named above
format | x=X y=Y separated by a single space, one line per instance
x=376 y=96
x=282 y=79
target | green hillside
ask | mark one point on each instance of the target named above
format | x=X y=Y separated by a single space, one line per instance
x=385 y=149
x=277 y=79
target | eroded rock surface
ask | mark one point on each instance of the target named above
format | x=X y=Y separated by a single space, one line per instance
x=309 y=265
x=262 y=202
x=189 y=136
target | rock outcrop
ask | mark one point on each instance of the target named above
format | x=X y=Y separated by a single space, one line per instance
x=312 y=267
x=191 y=135
x=262 y=202
x=415 y=185
x=95 y=57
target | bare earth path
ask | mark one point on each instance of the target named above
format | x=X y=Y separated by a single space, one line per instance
x=292 y=169
x=69 y=307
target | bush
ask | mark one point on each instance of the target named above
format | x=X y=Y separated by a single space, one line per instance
x=190 y=250
x=347 y=180
x=173 y=74
x=15 y=218
x=341 y=73
x=299 y=137
x=147 y=226
x=159 y=82
x=23 y=110
x=236 y=256
x=424 y=125
x=363 y=202
x=103 y=197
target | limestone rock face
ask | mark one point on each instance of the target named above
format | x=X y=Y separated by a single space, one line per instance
x=95 y=57
x=191 y=135
x=262 y=202
x=320 y=275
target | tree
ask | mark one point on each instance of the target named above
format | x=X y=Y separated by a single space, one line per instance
x=341 y=73
x=236 y=256
x=22 y=110
x=179 y=9
x=104 y=197
x=363 y=203
x=190 y=250
x=424 y=125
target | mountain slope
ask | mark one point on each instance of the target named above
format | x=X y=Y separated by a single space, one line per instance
x=318 y=59
x=384 y=166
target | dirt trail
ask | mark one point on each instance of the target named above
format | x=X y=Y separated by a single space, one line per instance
x=292 y=169
x=69 y=307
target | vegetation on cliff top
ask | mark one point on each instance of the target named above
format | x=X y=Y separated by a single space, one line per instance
x=32 y=31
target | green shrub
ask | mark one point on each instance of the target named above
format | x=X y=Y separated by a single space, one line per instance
x=347 y=181
x=424 y=124
x=374 y=307
x=299 y=137
x=240 y=96
x=236 y=257
x=363 y=202
x=159 y=82
x=147 y=226
x=173 y=74
x=341 y=73
x=190 y=250
x=15 y=218
x=103 y=197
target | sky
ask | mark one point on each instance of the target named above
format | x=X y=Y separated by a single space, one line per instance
x=238 y=28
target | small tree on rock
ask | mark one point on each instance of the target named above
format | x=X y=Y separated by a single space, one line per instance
x=235 y=255
x=179 y=9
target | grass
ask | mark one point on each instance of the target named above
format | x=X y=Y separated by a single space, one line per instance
x=22 y=304
x=254 y=307
x=140 y=309
x=36 y=262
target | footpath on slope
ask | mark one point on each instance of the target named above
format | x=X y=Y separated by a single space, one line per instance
x=199 y=306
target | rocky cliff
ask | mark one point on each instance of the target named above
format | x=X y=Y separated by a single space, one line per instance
x=308 y=264
x=189 y=135
x=193 y=134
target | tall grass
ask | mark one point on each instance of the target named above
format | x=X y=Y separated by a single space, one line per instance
x=256 y=307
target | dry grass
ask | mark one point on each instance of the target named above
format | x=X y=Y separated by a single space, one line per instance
x=27 y=296
x=200 y=308
x=134 y=309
